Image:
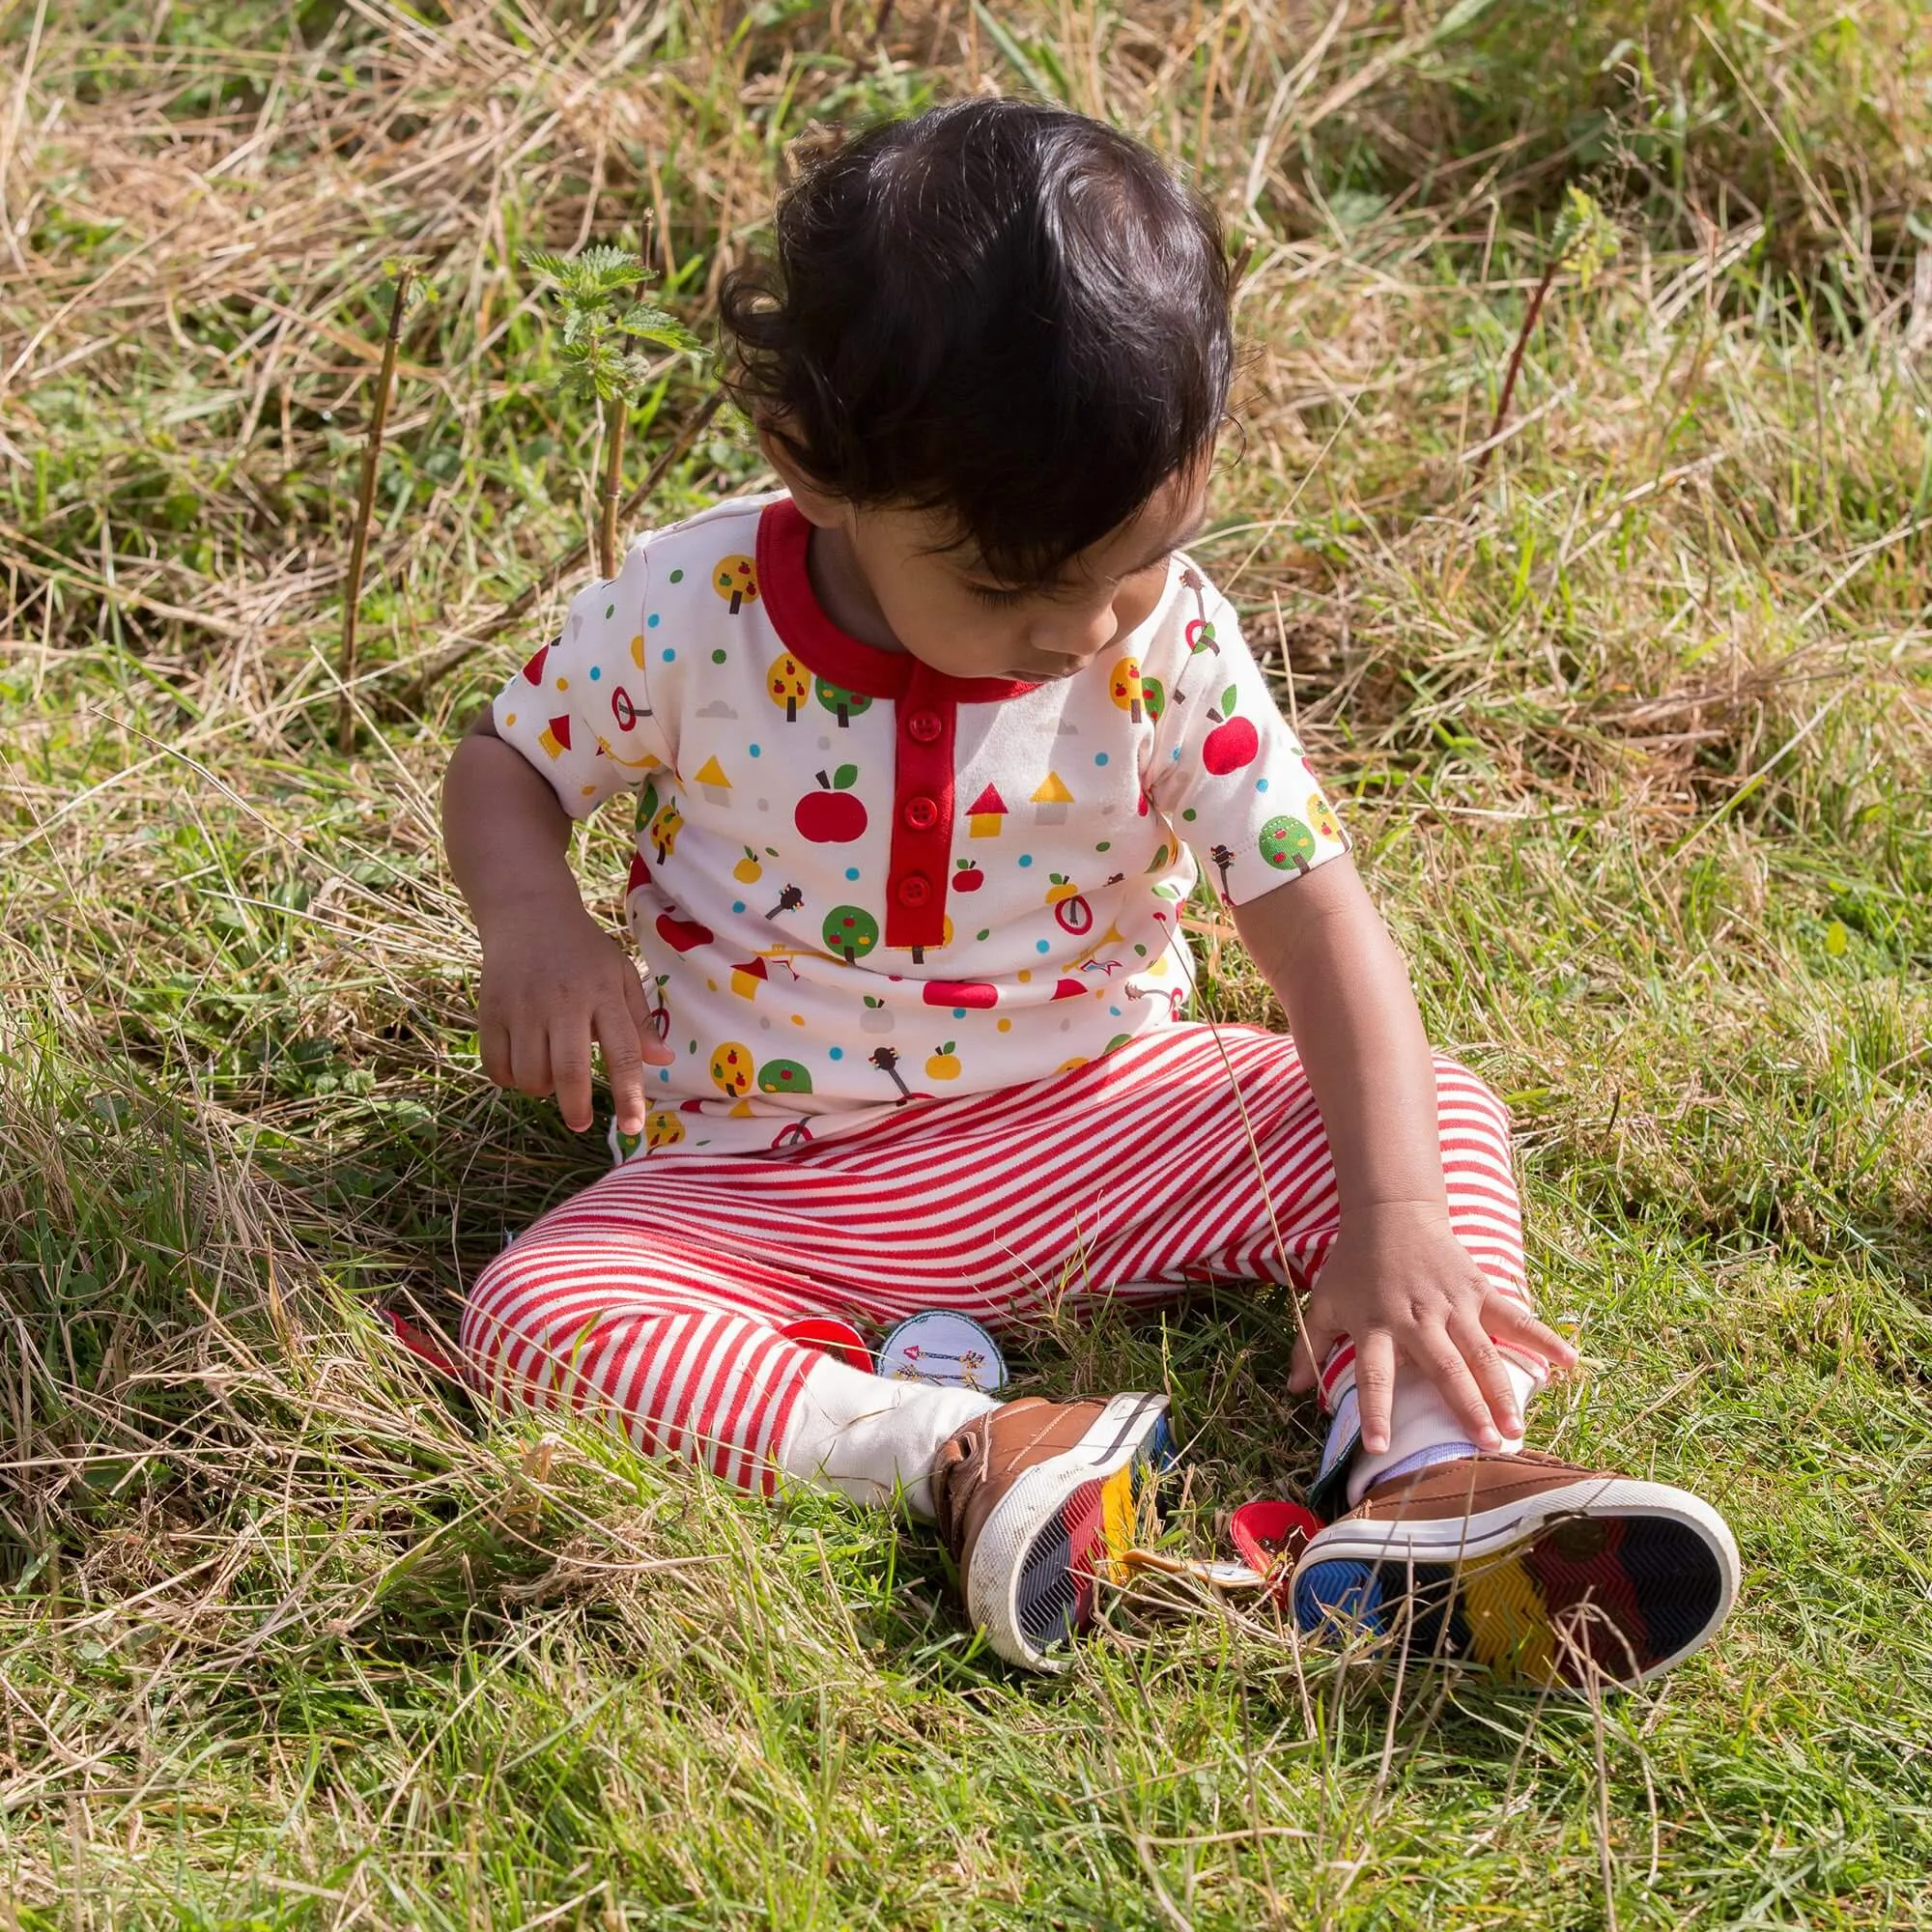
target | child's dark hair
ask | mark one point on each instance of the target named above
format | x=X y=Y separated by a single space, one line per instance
x=1010 y=313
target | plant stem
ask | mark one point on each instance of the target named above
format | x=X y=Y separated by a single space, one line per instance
x=365 y=497
x=1523 y=335
x=519 y=606
x=614 y=477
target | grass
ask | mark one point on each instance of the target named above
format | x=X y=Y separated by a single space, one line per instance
x=1636 y=730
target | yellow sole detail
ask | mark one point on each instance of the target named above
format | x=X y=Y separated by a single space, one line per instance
x=1508 y=1623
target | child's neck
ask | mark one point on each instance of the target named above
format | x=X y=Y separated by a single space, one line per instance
x=838 y=582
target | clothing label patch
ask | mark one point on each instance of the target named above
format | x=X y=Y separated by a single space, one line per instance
x=941 y=1346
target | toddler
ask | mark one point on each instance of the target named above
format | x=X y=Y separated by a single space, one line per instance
x=926 y=748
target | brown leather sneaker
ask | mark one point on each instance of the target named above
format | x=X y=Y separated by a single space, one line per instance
x=1036 y=1501
x=1535 y=1568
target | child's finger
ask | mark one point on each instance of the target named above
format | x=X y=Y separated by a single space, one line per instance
x=1375 y=1387
x=618 y=1035
x=1492 y=1374
x=1441 y=1359
x=570 y=1063
x=655 y=1050
x=1509 y=1320
x=1315 y=1340
x=1302 y=1371
x=493 y=1046
x=530 y=1060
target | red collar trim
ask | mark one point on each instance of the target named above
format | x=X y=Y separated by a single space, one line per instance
x=828 y=652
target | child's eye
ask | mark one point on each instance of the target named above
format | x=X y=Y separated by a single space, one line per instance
x=996 y=599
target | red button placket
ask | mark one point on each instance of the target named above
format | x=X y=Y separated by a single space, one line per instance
x=921 y=849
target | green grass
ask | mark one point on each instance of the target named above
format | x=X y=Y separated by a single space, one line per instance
x=1637 y=732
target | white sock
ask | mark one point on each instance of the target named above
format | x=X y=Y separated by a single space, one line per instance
x=871 y=1439
x=1424 y=1429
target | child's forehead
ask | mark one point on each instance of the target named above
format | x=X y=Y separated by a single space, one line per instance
x=1165 y=521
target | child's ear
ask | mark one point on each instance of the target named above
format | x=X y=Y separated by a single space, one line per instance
x=815 y=504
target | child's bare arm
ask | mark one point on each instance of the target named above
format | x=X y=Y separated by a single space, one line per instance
x=553 y=977
x=1397 y=1279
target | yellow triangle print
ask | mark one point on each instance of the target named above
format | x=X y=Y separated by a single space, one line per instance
x=1053 y=792
x=712 y=772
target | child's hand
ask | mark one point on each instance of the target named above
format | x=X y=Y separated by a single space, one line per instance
x=1400 y=1283
x=553 y=981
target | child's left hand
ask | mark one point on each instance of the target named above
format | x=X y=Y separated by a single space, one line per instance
x=1400 y=1283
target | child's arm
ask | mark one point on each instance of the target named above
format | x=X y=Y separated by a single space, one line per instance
x=1397 y=1279
x=552 y=977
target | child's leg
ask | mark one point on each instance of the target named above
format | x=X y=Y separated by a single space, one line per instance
x=678 y=1345
x=657 y=1293
x=1255 y=1196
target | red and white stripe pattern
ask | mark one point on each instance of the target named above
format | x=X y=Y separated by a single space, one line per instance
x=1196 y=1152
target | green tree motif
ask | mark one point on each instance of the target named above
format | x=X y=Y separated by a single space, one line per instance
x=844 y=705
x=1286 y=841
x=850 y=931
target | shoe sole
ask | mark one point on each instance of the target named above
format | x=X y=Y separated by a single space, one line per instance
x=1594 y=1583
x=1061 y=1527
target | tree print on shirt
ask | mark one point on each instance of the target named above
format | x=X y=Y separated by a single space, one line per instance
x=665 y=824
x=735 y=579
x=844 y=705
x=783 y=1076
x=1287 y=843
x=851 y=932
x=787 y=684
x=886 y=1059
x=732 y=1069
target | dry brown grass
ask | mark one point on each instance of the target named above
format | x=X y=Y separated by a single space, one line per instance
x=1638 y=731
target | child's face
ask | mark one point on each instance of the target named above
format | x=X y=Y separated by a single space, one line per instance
x=885 y=576
x=949 y=610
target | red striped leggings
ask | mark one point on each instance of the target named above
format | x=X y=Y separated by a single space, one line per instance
x=655 y=1296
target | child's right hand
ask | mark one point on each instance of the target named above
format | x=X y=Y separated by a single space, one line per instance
x=553 y=980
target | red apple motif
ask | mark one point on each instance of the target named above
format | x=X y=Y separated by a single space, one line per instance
x=968 y=878
x=682 y=934
x=961 y=993
x=1233 y=743
x=832 y=815
x=640 y=874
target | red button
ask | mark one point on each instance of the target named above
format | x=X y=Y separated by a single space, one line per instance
x=914 y=891
x=925 y=726
x=921 y=814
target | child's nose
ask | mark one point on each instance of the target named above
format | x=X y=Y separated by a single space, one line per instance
x=1078 y=634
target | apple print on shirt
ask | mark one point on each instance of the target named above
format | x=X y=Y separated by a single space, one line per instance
x=857 y=882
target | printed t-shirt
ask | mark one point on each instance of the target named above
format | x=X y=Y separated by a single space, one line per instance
x=858 y=882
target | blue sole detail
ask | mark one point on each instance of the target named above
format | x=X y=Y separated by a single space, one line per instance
x=1342 y=1593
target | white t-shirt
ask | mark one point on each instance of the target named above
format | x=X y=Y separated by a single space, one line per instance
x=858 y=882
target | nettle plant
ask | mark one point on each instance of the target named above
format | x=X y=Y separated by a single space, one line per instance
x=608 y=326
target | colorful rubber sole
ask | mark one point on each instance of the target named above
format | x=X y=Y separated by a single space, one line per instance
x=1085 y=1543
x=1581 y=1599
